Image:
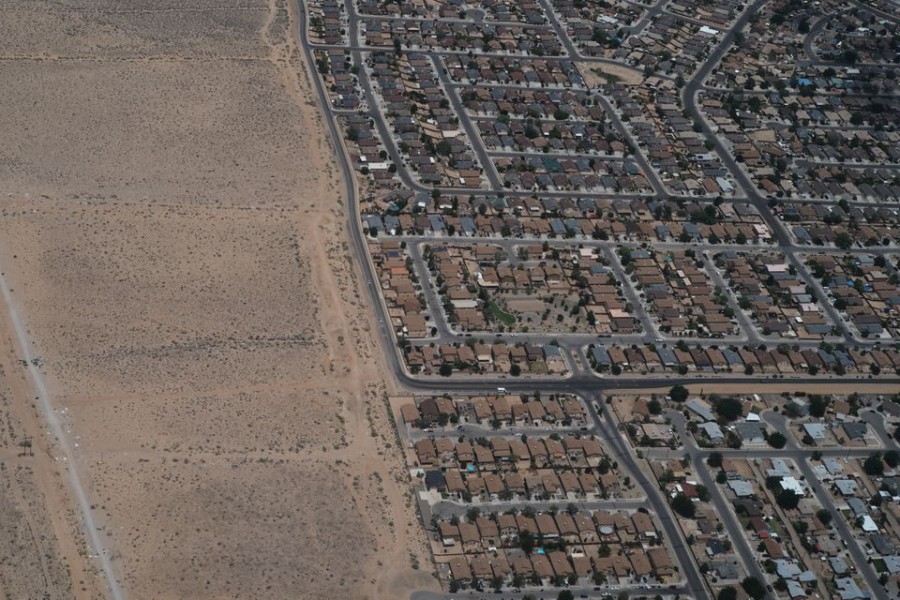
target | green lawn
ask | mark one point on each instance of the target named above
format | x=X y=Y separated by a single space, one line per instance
x=496 y=313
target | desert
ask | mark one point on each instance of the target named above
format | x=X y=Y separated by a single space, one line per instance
x=173 y=235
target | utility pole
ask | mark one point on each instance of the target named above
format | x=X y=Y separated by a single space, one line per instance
x=27 y=448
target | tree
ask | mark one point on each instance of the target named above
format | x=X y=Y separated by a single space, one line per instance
x=715 y=460
x=702 y=493
x=892 y=458
x=515 y=370
x=874 y=465
x=787 y=500
x=777 y=440
x=566 y=595
x=728 y=593
x=678 y=393
x=684 y=506
x=729 y=408
x=446 y=369
x=754 y=588
x=824 y=516
x=843 y=240
x=817 y=406
x=654 y=407
x=526 y=542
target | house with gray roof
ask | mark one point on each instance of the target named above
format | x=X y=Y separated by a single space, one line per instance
x=702 y=409
x=741 y=488
x=751 y=432
x=838 y=565
x=786 y=569
x=848 y=589
x=712 y=431
x=856 y=430
x=795 y=590
x=846 y=487
x=815 y=430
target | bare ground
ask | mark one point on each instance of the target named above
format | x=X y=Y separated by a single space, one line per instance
x=172 y=229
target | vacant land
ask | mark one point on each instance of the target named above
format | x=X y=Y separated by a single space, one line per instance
x=172 y=229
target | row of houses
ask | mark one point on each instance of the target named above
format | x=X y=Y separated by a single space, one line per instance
x=656 y=119
x=425 y=127
x=865 y=288
x=400 y=289
x=780 y=302
x=777 y=140
x=550 y=217
x=526 y=12
x=483 y=36
x=569 y=548
x=327 y=21
x=439 y=411
x=519 y=358
x=786 y=361
x=679 y=293
x=829 y=224
x=510 y=454
x=474 y=278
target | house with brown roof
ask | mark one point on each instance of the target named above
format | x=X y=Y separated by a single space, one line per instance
x=490 y=533
x=459 y=569
x=521 y=565
x=470 y=537
x=643 y=525
x=661 y=562
x=449 y=533
x=482 y=569
x=546 y=526
x=541 y=566
x=509 y=530
x=560 y=563
x=640 y=564
x=425 y=452
x=568 y=531
x=587 y=529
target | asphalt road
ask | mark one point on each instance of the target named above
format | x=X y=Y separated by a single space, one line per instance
x=673 y=535
x=824 y=498
x=732 y=525
x=779 y=233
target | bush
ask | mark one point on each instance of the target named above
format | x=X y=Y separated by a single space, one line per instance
x=874 y=465
x=817 y=406
x=678 y=393
x=788 y=500
x=729 y=408
x=754 y=588
x=777 y=440
x=684 y=506
x=727 y=593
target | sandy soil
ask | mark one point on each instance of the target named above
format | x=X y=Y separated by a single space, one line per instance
x=173 y=231
x=39 y=555
x=593 y=74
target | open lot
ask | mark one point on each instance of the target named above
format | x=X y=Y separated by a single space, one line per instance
x=172 y=230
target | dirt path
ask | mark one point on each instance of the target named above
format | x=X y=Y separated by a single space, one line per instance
x=58 y=502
